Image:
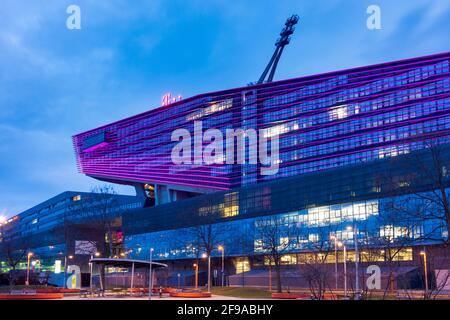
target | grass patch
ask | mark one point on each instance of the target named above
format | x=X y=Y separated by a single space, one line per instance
x=241 y=292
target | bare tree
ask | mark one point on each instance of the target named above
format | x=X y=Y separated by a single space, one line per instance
x=14 y=251
x=419 y=202
x=71 y=230
x=207 y=237
x=314 y=266
x=421 y=195
x=274 y=237
x=98 y=210
x=385 y=238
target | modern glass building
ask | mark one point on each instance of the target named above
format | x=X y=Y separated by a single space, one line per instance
x=353 y=144
x=324 y=121
x=69 y=224
x=364 y=158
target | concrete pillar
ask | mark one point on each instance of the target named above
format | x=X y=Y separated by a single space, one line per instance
x=162 y=194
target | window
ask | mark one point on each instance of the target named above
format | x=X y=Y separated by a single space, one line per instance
x=339 y=112
x=231 y=208
x=405 y=254
x=313 y=237
x=242 y=265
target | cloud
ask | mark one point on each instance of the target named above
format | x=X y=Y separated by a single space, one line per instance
x=38 y=164
x=434 y=11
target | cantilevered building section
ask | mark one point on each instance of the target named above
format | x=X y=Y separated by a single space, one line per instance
x=324 y=121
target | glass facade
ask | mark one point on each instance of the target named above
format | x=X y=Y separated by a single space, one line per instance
x=323 y=121
x=49 y=230
x=339 y=135
x=344 y=138
x=52 y=213
x=308 y=230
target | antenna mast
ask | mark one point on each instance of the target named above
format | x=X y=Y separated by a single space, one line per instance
x=285 y=38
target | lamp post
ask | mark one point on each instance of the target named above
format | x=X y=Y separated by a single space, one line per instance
x=340 y=244
x=222 y=249
x=91 y=264
x=29 y=255
x=425 y=269
x=209 y=272
x=243 y=273
x=355 y=239
x=270 y=275
x=335 y=261
x=196 y=275
x=65 y=269
x=209 y=269
x=150 y=281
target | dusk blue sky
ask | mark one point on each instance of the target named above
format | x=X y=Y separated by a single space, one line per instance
x=56 y=82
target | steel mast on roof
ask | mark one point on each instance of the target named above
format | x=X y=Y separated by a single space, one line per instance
x=285 y=38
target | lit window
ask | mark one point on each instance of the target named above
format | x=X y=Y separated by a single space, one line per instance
x=276 y=130
x=313 y=237
x=339 y=112
x=288 y=259
x=214 y=107
x=259 y=246
x=230 y=211
x=76 y=198
x=284 y=242
x=231 y=205
x=387 y=232
x=242 y=265
x=405 y=254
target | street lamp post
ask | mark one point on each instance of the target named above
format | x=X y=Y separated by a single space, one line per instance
x=91 y=267
x=335 y=261
x=29 y=255
x=65 y=269
x=243 y=273
x=150 y=281
x=355 y=239
x=209 y=270
x=196 y=275
x=222 y=249
x=425 y=270
x=345 y=271
x=340 y=244
x=270 y=275
x=209 y=273
x=358 y=292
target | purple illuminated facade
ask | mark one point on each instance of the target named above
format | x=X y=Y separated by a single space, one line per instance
x=324 y=121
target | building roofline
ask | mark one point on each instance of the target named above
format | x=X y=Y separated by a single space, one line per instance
x=275 y=83
x=63 y=194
